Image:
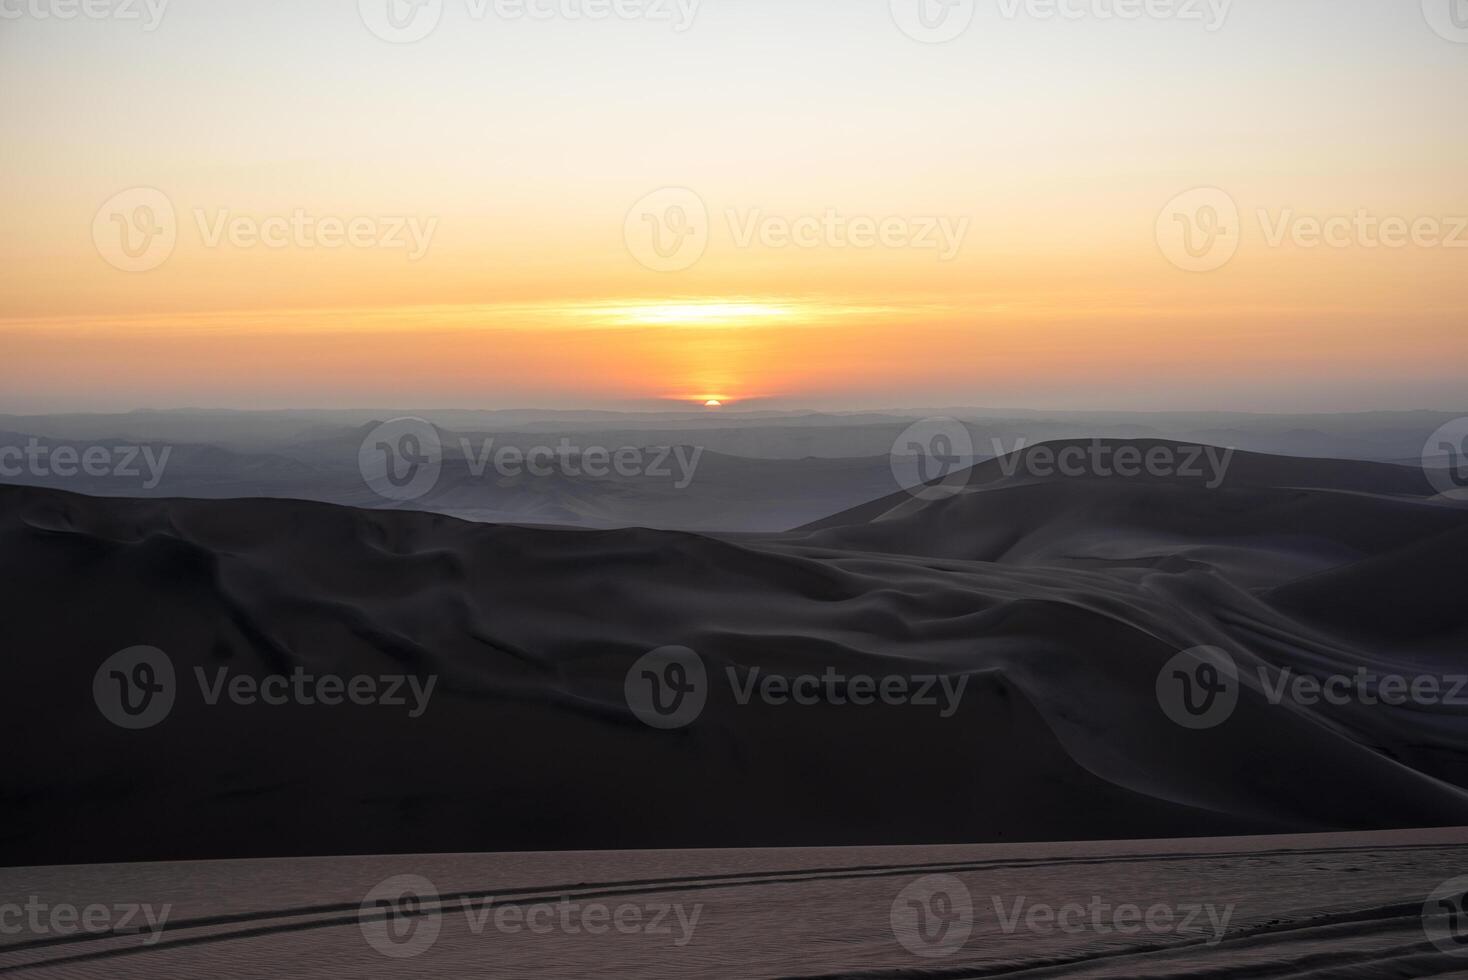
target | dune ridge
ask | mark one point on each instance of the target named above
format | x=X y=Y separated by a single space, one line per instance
x=1057 y=600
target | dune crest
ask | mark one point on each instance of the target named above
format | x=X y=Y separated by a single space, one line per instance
x=1056 y=630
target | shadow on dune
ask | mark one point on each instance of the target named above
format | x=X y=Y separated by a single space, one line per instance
x=1056 y=600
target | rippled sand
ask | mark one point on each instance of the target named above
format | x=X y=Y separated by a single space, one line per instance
x=1317 y=906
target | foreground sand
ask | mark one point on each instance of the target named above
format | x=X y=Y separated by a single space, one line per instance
x=1342 y=905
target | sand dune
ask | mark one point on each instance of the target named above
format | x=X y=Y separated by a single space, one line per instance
x=1056 y=602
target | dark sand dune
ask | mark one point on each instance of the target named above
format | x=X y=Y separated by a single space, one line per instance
x=1404 y=595
x=1055 y=601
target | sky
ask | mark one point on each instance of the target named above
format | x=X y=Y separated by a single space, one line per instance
x=1247 y=205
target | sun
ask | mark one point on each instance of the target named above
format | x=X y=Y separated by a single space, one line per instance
x=713 y=403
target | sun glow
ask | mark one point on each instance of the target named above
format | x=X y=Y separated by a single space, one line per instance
x=694 y=314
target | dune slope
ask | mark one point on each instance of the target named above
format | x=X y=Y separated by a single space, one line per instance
x=1049 y=605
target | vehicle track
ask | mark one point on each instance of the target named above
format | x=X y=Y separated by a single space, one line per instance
x=340 y=915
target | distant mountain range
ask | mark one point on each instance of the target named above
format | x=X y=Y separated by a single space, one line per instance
x=759 y=471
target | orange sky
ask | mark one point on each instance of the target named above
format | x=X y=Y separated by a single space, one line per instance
x=520 y=154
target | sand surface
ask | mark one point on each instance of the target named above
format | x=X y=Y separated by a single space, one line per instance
x=1345 y=905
